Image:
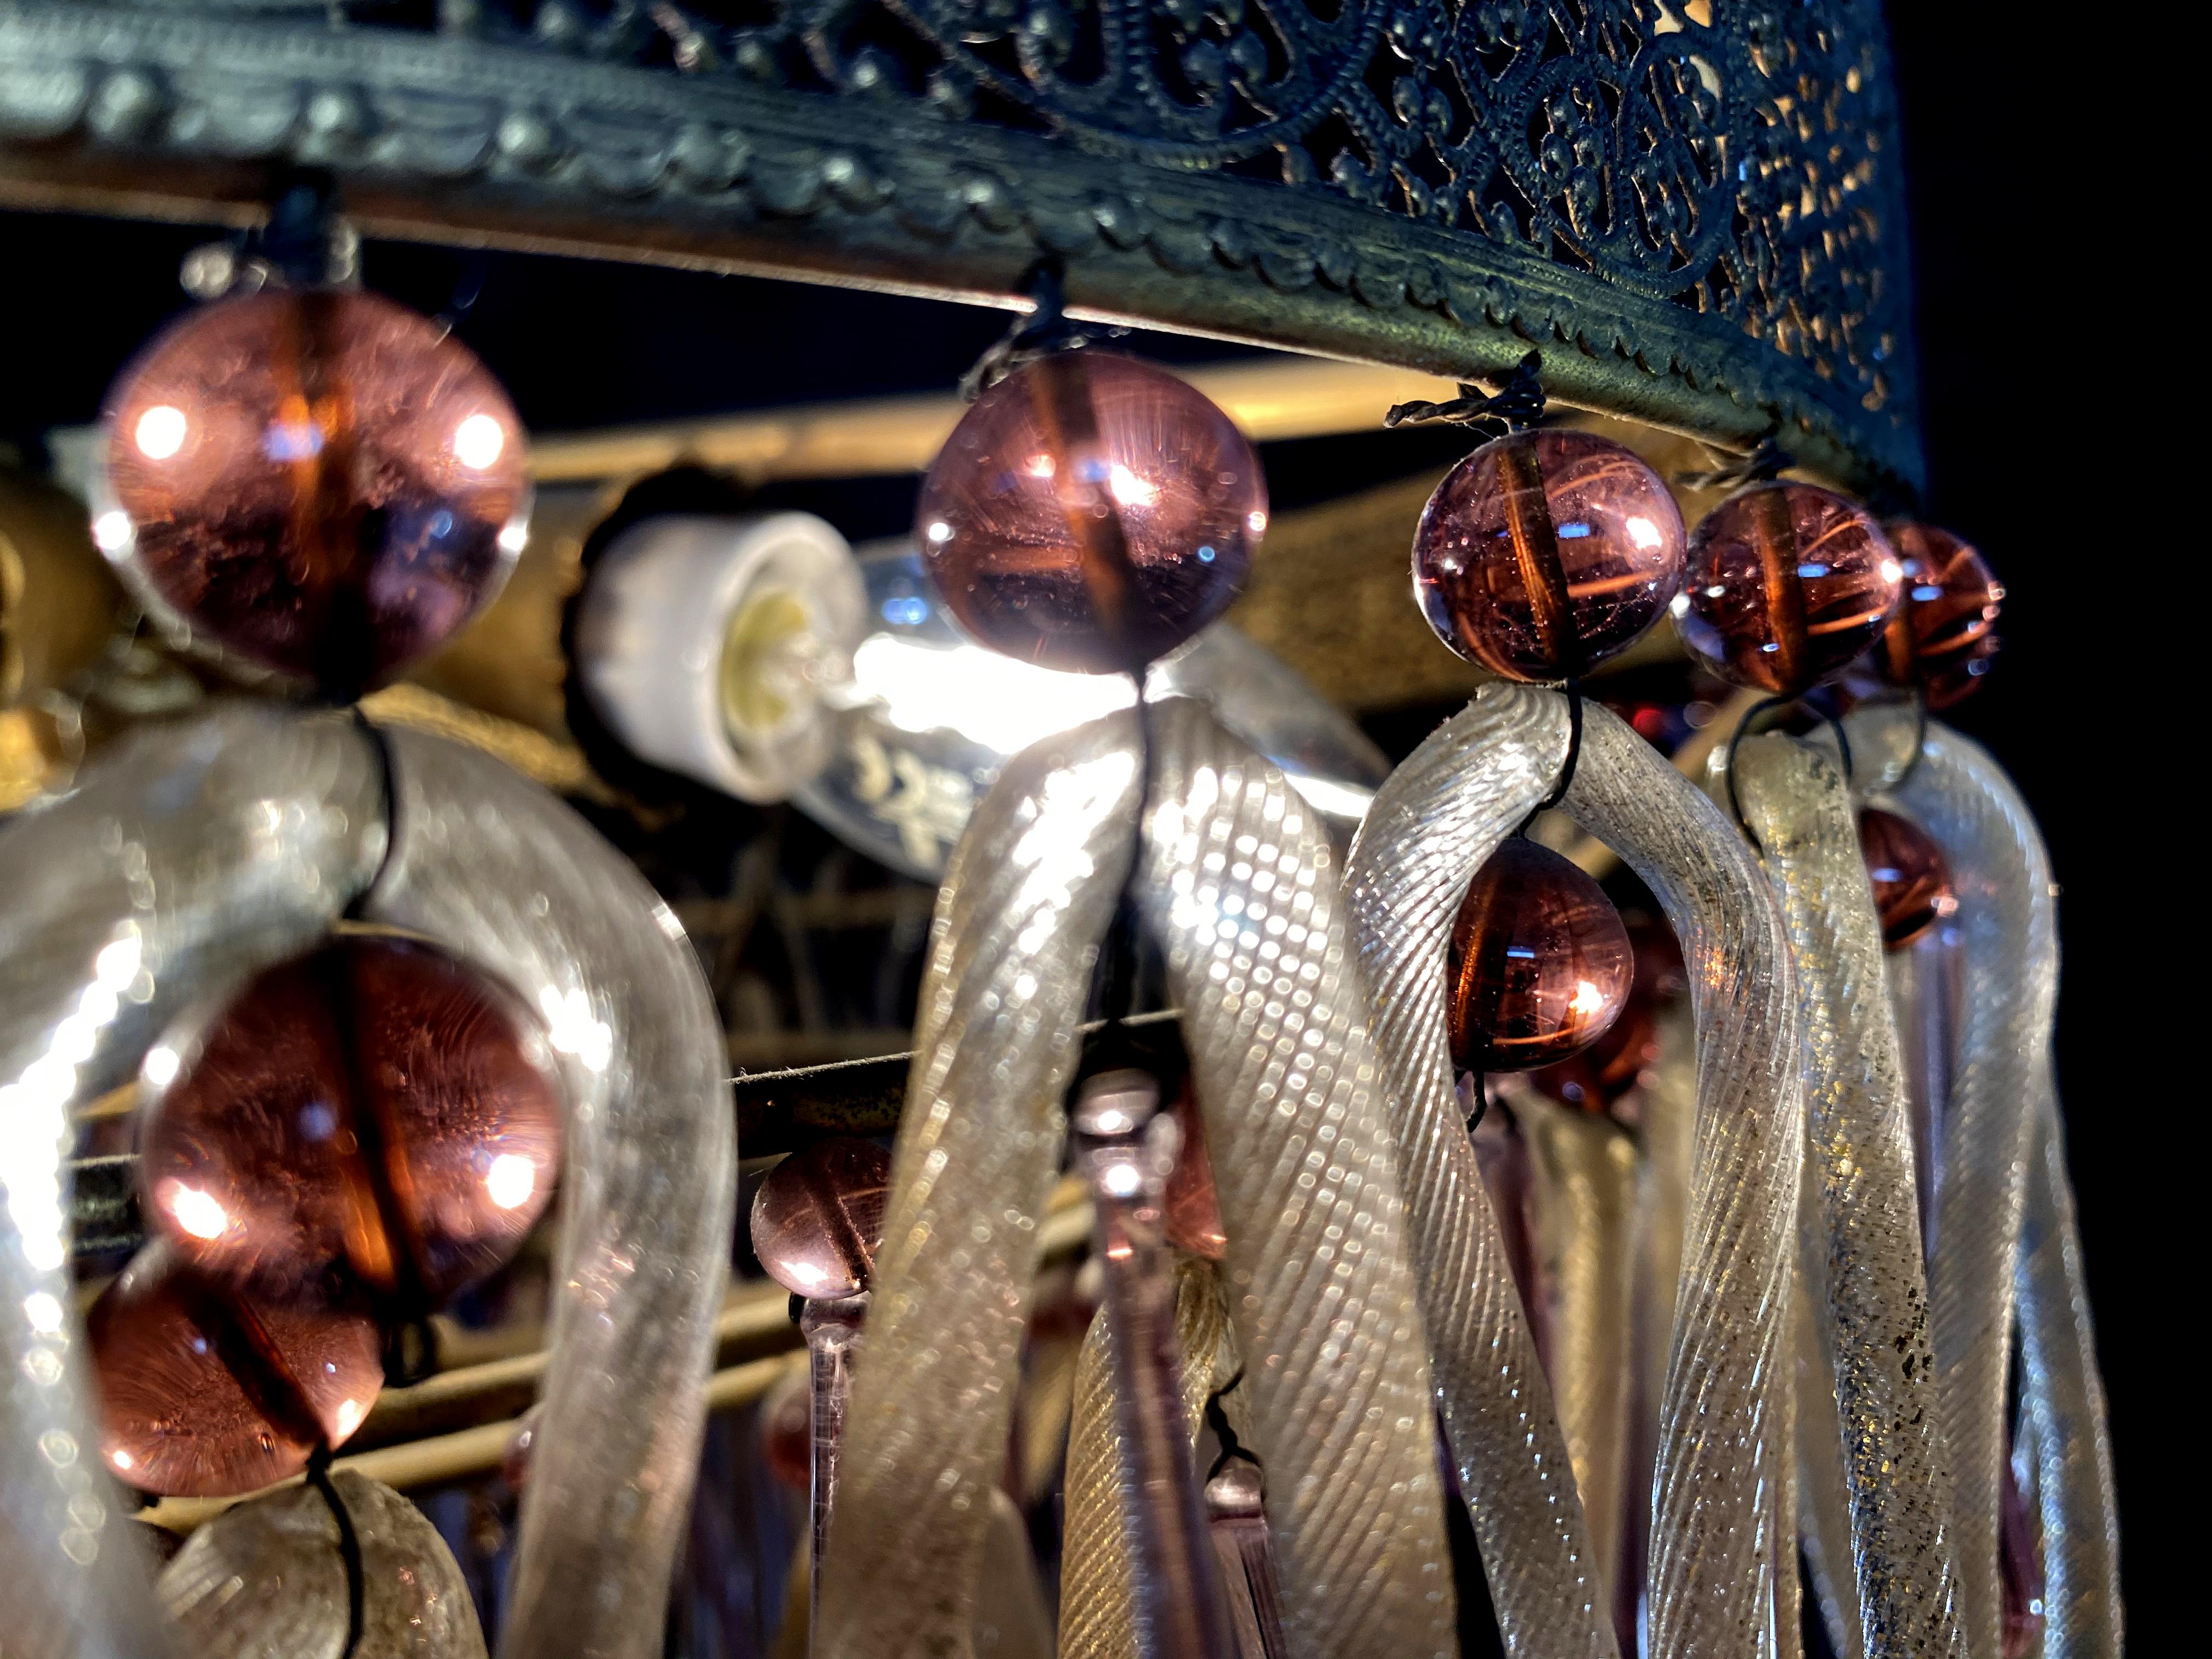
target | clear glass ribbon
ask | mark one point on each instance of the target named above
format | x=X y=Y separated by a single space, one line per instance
x=1238 y=886
x=1096 y=1606
x=200 y=851
x=2000 y=875
x=1719 y=1528
x=1875 y=1338
x=519 y=885
x=1586 y=1179
x=2065 y=1402
x=193 y=855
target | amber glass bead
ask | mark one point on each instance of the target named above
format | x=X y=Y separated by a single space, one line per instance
x=1911 y=883
x=1544 y=553
x=818 y=1217
x=1622 y=1056
x=1091 y=513
x=1943 y=634
x=1787 y=583
x=322 y=483
x=374 y=1107
x=1540 y=964
x=204 y=1392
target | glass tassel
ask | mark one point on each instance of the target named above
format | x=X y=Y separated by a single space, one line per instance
x=1125 y=1147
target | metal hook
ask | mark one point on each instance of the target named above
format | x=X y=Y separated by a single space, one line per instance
x=1042 y=329
x=1518 y=403
x=1743 y=730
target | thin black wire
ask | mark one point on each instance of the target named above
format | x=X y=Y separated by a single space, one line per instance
x=1573 y=689
x=1118 y=979
x=318 y=1477
x=1518 y=403
x=1769 y=461
x=380 y=746
x=1218 y=1420
x=1743 y=730
x=1043 y=329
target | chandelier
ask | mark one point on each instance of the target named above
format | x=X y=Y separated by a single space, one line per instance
x=1590 y=1181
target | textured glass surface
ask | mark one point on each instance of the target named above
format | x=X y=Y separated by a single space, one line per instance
x=1544 y=553
x=374 y=1102
x=1540 y=963
x=1875 y=1340
x=1786 y=584
x=2002 y=875
x=266 y=1578
x=320 y=481
x=205 y=1393
x=1090 y=511
x=1239 y=881
x=1943 y=632
x=2063 y=1404
x=209 y=849
x=1098 y=1606
x=484 y=858
x=1718 y=1525
x=192 y=853
x=1585 y=1175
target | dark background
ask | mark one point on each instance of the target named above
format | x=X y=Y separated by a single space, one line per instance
x=2022 y=242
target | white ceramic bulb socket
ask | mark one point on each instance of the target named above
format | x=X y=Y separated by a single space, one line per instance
x=706 y=645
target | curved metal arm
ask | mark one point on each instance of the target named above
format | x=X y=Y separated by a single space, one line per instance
x=1875 y=1334
x=193 y=855
x=2065 y=1399
x=2002 y=876
x=1718 y=1528
x=1239 y=887
x=504 y=874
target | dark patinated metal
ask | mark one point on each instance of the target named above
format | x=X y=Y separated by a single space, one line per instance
x=1696 y=212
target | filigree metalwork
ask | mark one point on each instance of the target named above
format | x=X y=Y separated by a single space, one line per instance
x=1701 y=199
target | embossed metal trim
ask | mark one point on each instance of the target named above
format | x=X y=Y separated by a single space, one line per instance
x=1702 y=221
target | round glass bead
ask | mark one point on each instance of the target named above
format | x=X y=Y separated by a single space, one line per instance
x=374 y=1108
x=1540 y=964
x=320 y=482
x=1091 y=513
x=1786 y=584
x=1942 y=635
x=204 y=1392
x=1623 y=1055
x=1545 y=552
x=818 y=1217
x=1911 y=883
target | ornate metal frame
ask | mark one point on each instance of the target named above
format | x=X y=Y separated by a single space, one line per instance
x=1694 y=205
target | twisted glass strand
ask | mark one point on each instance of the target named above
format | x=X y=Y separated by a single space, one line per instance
x=192 y=853
x=2065 y=1403
x=2000 y=875
x=1432 y=823
x=1799 y=810
x=525 y=888
x=1721 y=1529
x=1719 y=1525
x=1097 y=1615
x=1238 y=886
